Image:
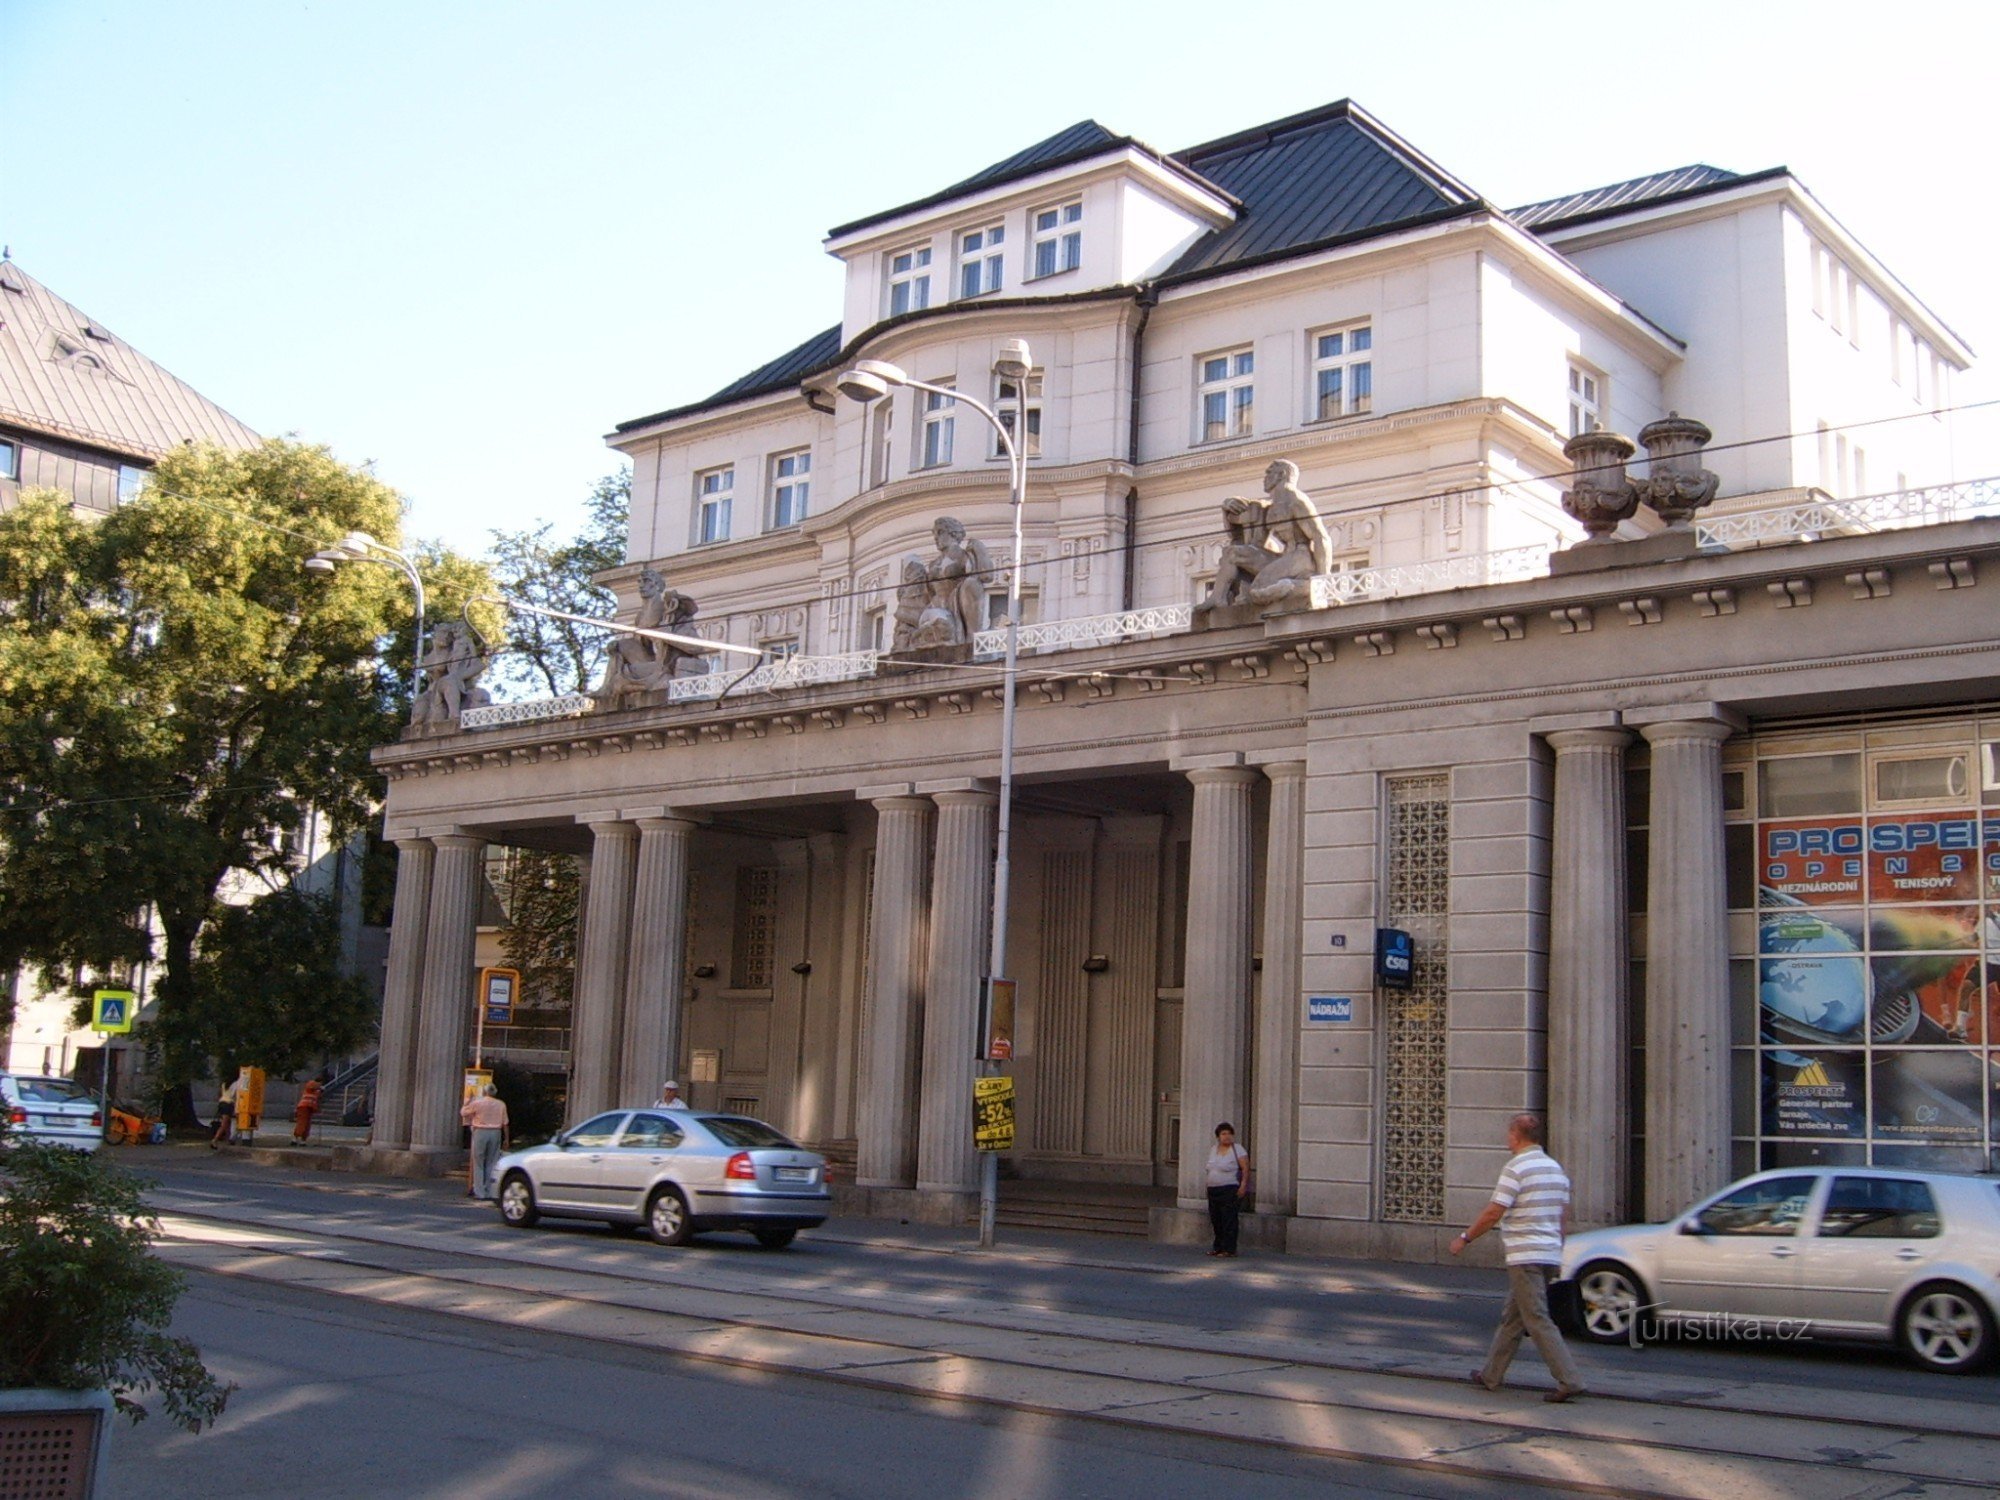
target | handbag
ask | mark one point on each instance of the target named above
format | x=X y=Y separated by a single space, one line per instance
x=1566 y=1305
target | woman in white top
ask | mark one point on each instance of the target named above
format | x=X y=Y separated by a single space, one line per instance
x=1228 y=1186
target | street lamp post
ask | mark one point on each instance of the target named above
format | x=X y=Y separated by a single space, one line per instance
x=359 y=546
x=866 y=381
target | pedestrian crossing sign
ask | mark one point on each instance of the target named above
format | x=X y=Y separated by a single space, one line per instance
x=111 y=1010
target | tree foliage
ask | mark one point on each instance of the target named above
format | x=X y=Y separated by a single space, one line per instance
x=542 y=893
x=176 y=690
x=268 y=988
x=85 y=1303
x=554 y=657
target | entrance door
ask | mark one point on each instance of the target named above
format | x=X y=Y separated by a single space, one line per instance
x=1167 y=1091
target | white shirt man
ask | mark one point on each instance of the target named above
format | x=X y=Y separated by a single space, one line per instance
x=670 y=1096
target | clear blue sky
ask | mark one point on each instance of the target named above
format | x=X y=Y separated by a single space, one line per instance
x=463 y=240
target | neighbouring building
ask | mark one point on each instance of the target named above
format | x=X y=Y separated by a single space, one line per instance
x=1691 y=809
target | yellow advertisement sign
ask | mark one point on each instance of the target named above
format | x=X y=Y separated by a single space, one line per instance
x=993 y=1114
x=476 y=1080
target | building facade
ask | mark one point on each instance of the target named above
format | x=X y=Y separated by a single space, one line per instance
x=1567 y=750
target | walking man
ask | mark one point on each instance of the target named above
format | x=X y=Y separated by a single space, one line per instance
x=487 y=1115
x=1531 y=1206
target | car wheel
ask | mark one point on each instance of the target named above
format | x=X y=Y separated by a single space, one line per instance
x=1611 y=1297
x=775 y=1239
x=667 y=1218
x=517 y=1202
x=1945 y=1327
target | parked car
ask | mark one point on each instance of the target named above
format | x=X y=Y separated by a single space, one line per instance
x=52 y=1110
x=1819 y=1252
x=676 y=1173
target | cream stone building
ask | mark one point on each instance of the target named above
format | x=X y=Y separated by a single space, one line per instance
x=1567 y=768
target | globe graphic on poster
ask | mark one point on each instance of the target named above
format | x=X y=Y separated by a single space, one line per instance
x=1814 y=986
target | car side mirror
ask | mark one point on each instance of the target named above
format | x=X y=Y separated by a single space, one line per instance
x=561 y=1142
x=1693 y=1225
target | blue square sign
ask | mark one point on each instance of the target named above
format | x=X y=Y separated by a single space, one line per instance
x=1329 y=1008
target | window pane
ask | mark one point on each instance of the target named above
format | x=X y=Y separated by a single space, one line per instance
x=996 y=234
x=1329 y=393
x=1214 y=412
x=1245 y=363
x=1072 y=251
x=1046 y=220
x=1215 y=369
x=1245 y=401
x=1045 y=258
x=970 y=243
x=1329 y=345
x=1363 y=381
x=1360 y=340
x=1072 y=213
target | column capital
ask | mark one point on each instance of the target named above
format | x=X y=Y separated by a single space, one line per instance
x=1588 y=739
x=957 y=784
x=1284 y=770
x=1721 y=715
x=411 y=843
x=667 y=823
x=456 y=840
x=966 y=797
x=1223 y=775
x=612 y=828
x=902 y=804
x=1686 y=731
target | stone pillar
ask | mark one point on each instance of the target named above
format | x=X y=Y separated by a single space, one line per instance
x=961 y=907
x=656 y=961
x=885 y=1142
x=819 y=1025
x=601 y=963
x=1215 y=1015
x=1687 y=966
x=402 y=993
x=444 y=1023
x=1590 y=1124
x=1273 y=1132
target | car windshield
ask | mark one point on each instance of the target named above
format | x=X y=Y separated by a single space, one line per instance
x=50 y=1091
x=743 y=1132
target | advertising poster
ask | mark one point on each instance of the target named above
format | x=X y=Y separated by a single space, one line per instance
x=1927 y=1000
x=1924 y=857
x=1928 y=1097
x=1815 y=1093
x=1812 y=862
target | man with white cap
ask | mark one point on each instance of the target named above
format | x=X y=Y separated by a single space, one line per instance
x=670 y=1096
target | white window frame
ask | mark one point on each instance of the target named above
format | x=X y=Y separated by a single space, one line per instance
x=981 y=261
x=714 y=498
x=10 y=459
x=791 y=488
x=1058 y=229
x=1005 y=402
x=881 y=439
x=996 y=606
x=1352 y=363
x=1232 y=392
x=131 y=480
x=1588 y=390
x=909 y=279
x=874 y=628
x=937 y=430
x=780 y=647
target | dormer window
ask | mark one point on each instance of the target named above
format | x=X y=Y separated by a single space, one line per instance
x=1058 y=238
x=910 y=280
x=979 y=260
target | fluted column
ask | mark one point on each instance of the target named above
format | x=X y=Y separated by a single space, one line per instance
x=402 y=994
x=1589 y=972
x=656 y=978
x=1687 y=968
x=1275 y=1132
x=961 y=907
x=885 y=1140
x=601 y=962
x=819 y=1026
x=1215 y=1015
x=444 y=1022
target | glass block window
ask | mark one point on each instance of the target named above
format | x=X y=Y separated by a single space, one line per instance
x=756 y=928
x=1415 y=1076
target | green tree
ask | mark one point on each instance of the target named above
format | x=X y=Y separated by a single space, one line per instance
x=268 y=988
x=555 y=657
x=175 y=690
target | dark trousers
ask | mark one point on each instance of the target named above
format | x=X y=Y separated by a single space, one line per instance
x=1225 y=1204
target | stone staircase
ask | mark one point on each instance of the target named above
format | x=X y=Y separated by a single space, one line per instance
x=1089 y=1207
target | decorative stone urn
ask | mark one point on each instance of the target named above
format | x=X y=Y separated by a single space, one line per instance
x=1600 y=496
x=1676 y=485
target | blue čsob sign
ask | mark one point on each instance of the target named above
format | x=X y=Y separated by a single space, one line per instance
x=1330 y=1008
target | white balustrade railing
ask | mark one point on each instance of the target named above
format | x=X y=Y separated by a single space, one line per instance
x=1509 y=566
x=1933 y=505
x=775 y=676
x=1088 y=630
x=493 y=715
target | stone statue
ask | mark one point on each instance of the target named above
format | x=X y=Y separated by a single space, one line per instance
x=912 y=594
x=453 y=659
x=639 y=664
x=955 y=610
x=1275 y=545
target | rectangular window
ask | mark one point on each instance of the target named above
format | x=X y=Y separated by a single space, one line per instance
x=713 y=491
x=1586 y=400
x=130 y=481
x=1058 y=238
x=10 y=460
x=1228 y=394
x=938 y=423
x=979 y=258
x=790 y=487
x=781 y=648
x=875 y=629
x=1343 y=363
x=910 y=280
x=881 y=434
x=1007 y=406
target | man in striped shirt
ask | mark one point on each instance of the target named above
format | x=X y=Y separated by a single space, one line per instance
x=1531 y=1206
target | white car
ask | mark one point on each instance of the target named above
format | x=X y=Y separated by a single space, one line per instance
x=54 y=1111
x=1809 y=1252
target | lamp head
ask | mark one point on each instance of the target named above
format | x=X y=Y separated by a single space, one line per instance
x=1013 y=362
x=320 y=562
x=870 y=378
x=357 y=542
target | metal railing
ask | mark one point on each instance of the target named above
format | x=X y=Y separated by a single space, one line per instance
x=1896 y=510
x=1088 y=630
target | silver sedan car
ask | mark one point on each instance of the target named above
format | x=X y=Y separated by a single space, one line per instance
x=673 y=1172
x=1808 y=1252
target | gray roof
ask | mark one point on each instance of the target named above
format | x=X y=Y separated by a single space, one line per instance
x=782 y=373
x=65 y=374
x=1619 y=196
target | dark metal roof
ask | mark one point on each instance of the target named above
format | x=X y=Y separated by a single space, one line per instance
x=1328 y=175
x=782 y=373
x=1086 y=138
x=1622 y=195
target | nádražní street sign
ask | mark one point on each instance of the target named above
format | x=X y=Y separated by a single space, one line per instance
x=993 y=1114
x=112 y=1011
x=1323 y=1010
